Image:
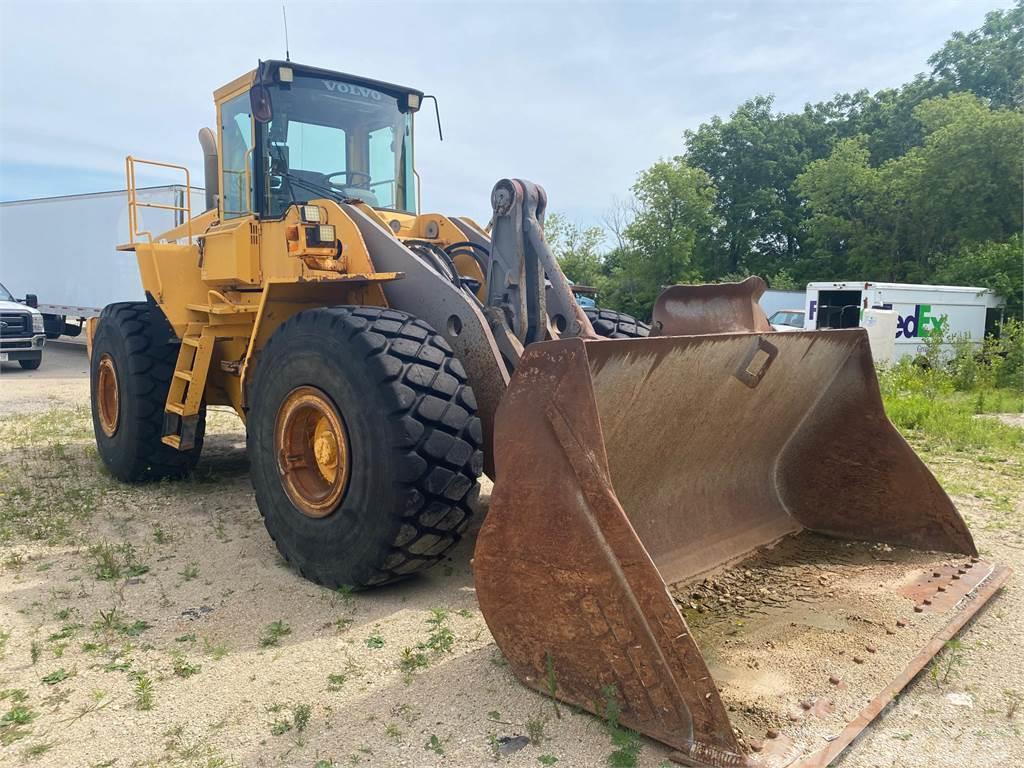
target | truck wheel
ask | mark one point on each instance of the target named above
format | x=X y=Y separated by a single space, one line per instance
x=364 y=444
x=616 y=325
x=133 y=358
x=31 y=365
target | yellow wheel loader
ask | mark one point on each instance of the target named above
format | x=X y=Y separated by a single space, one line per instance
x=705 y=528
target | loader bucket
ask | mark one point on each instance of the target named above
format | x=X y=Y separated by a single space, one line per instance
x=689 y=310
x=723 y=537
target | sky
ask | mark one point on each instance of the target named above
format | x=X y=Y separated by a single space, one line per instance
x=576 y=96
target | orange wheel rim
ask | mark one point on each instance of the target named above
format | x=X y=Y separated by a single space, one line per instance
x=312 y=451
x=108 y=396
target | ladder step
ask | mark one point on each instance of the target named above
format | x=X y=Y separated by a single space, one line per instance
x=192 y=341
x=183 y=375
x=177 y=408
x=172 y=440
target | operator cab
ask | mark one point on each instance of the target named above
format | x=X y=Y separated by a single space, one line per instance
x=290 y=134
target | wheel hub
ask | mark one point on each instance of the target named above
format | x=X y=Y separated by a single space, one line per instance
x=108 y=397
x=312 y=451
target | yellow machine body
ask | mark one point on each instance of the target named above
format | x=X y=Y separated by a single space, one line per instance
x=226 y=284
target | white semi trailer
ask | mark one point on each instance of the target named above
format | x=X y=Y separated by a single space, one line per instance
x=922 y=310
x=62 y=249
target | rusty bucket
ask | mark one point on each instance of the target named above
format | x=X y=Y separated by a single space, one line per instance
x=725 y=534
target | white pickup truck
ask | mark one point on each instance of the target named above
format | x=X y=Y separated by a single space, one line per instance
x=22 y=336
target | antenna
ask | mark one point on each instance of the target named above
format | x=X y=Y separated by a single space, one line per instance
x=284 y=13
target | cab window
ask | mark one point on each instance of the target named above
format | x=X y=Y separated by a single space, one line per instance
x=236 y=141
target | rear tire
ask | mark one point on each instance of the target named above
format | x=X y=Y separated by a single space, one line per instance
x=31 y=365
x=137 y=350
x=410 y=445
x=616 y=325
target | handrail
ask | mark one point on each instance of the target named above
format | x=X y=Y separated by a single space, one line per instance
x=134 y=204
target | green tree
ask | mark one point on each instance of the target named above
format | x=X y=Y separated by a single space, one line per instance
x=753 y=159
x=665 y=239
x=988 y=61
x=989 y=265
x=962 y=185
x=576 y=248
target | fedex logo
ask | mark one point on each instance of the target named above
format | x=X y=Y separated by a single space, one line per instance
x=921 y=324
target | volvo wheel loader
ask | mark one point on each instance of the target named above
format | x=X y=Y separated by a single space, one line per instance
x=705 y=527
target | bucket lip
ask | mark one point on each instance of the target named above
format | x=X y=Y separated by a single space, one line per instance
x=972 y=602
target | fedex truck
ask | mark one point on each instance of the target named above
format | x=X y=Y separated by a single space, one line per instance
x=922 y=310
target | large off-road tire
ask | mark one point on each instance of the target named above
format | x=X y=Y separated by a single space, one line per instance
x=133 y=357
x=364 y=444
x=616 y=325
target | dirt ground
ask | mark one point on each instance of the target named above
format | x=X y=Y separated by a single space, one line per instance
x=157 y=626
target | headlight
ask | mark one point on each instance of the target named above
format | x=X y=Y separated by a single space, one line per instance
x=37 y=323
x=320 y=235
x=310 y=214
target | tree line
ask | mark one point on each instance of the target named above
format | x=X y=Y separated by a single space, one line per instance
x=919 y=183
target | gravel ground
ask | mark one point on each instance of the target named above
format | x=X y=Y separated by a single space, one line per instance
x=156 y=625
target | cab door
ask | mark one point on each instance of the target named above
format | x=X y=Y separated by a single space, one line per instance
x=231 y=248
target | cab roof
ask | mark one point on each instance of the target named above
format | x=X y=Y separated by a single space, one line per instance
x=246 y=80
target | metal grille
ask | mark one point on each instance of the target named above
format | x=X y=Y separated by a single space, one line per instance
x=15 y=324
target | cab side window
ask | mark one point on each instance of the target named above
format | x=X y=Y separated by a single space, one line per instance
x=236 y=141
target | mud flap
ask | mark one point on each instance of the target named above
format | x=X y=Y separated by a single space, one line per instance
x=633 y=471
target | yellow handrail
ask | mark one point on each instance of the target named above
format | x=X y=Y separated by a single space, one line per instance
x=134 y=204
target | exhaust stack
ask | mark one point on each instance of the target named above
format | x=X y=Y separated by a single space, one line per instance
x=210 y=182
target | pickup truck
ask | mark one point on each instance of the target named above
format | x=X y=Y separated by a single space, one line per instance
x=22 y=336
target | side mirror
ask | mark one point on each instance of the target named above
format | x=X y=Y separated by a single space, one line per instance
x=259 y=101
x=31 y=300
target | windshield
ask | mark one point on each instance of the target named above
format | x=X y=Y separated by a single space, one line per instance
x=788 y=317
x=331 y=138
x=5 y=295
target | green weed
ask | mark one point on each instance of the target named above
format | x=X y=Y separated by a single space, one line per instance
x=142 y=687
x=57 y=676
x=273 y=633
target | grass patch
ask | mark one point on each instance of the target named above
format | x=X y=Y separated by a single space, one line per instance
x=57 y=676
x=273 y=633
x=48 y=492
x=181 y=666
x=112 y=562
x=190 y=571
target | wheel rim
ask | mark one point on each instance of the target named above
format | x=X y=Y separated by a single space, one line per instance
x=108 y=396
x=312 y=451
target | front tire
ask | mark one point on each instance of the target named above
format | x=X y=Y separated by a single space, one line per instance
x=133 y=358
x=616 y=325
x=364 y=444
x=31 y=365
